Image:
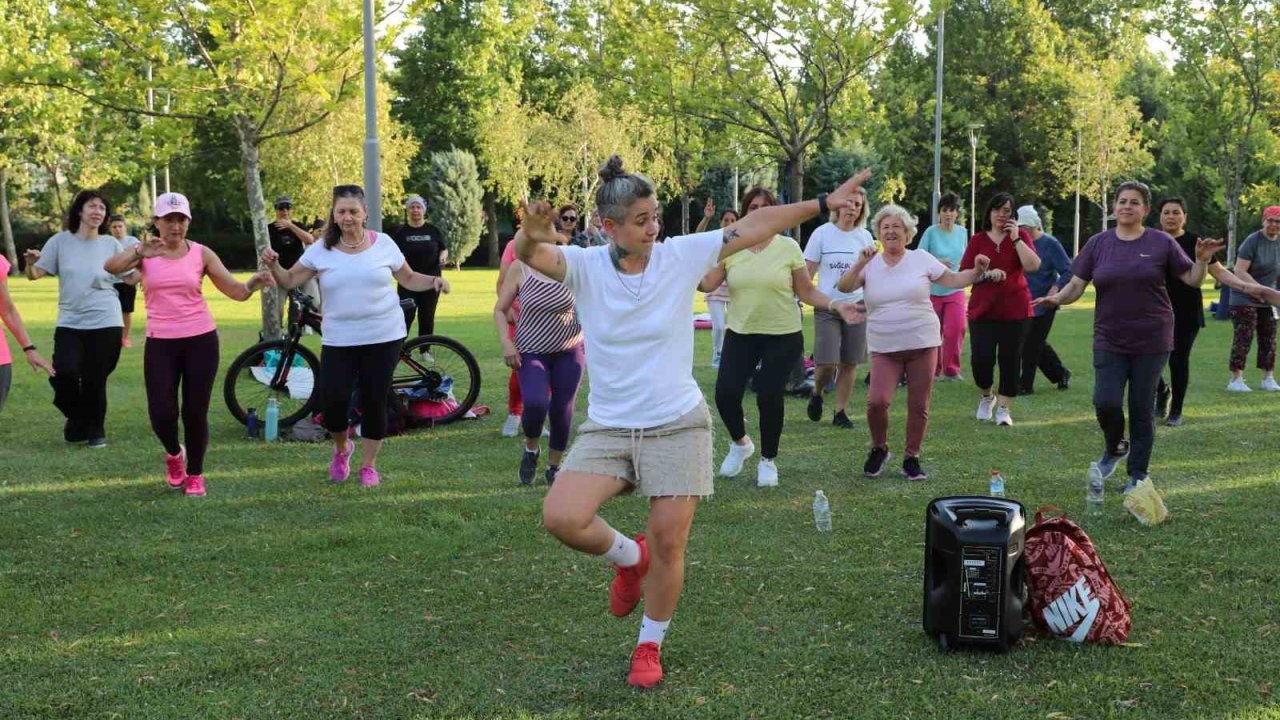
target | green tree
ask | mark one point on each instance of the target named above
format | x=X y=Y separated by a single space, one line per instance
x=456 y=197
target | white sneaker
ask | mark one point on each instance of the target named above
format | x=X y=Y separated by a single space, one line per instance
x=1003 y=417
x=737 y=455
x=1238 y=385
x=766 y=473
x=985 y=406
x=1269 y=384
x=511 y=427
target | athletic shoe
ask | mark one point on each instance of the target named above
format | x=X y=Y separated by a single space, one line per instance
x=175 y=468
x=1133 y=483
x=628 y=583
x=511 y=427
x=1238 y=385
x=1065 y=382
x=875 y=461
x=1003 y=417
x=841 y=420
x=953 y=378
x=550 y=475
x=985 y=407
x=340 y=465
x=1269 y=384
x=98 y=442
x=736 y=456
x=766 y=473
x=528 y=465
x=815 y=407
x=73 y=433
x=646 y=666
x=1173 y=421
x=194 y=486
x=369 y=477
x=1162 y=401
x=1107 y=463
x=911 y=469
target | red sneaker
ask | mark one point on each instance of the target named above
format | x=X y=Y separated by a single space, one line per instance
x=194 y=486
x=646 y=666
x=627 y=587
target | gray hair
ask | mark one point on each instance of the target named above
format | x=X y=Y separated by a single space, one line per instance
x=1138 y=187
x=619 y=189
x=908 y=220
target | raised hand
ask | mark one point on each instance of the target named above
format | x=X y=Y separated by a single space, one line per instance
x=261 y=279
x=980 y=263
x=31 y=256
x=1206 y=248
x=149 y=246
x=867 y=253
x=538 y=222
x=843 y=195
x=709 y=210
x=270 y=257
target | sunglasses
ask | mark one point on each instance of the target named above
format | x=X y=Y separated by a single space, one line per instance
x=348 y=191
x=569 y=218
x=284 y=207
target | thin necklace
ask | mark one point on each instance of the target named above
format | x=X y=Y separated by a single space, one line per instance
x=617 y=263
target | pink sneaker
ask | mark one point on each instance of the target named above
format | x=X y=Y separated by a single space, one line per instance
x=340 y=466
x=369 y=477
x=195 y=486
x=175 y=468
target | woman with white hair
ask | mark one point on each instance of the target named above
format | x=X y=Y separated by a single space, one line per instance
x=422 y=245
x=903 y=332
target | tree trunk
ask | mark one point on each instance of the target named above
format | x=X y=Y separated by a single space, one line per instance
x=10 y=251
x=250 y=163
x=684 y=213
x=57 y=192
x=796 y=163
x=1233 y=214
x=491 y=228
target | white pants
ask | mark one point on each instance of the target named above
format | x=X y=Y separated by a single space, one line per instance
x=717 y=309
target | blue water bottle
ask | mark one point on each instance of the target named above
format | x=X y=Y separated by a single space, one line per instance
x=252 y=422
x=273 y=420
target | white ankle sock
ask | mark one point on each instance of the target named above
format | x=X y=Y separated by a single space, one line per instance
x=652 y=630
x=624 y=551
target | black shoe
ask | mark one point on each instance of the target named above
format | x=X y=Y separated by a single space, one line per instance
x=1173 y=421
x=1026 y=391
x=550 y=475
x=1065 y=382
x=841 y=420
x=98 y=441
x=73 y=433
x=911 y=469
x=1162 y=401
x=528 y=466
x=815 y=407
x=875 y=461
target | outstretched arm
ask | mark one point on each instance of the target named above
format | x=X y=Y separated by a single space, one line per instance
x=965 y=278
x=227 y=283
x=287 y=279
x=1065 y=296
x=536 y=241
x=762 y=224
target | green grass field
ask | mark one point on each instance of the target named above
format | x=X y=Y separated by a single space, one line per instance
x=438 y=595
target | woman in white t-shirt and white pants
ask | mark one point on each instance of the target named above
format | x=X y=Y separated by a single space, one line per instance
x=902 y=330
x=363 y=325
x=648 y=426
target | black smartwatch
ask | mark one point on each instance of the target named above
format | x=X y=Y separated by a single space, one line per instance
x=28 y=348
x=822 y=204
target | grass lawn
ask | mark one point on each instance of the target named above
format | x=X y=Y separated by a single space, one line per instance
x=439 y=595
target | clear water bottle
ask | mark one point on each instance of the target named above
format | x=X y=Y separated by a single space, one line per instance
x=1095 y=490
x=996 y=487
x=821 y=512
x=252 y=422
x=272 y=430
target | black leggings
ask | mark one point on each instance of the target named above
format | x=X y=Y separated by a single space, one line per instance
x=83 y=359
x=738 y=359
x=424 y=307
x=997 y=340
x=191 y=362
x=367 y=367
x=1185 y=331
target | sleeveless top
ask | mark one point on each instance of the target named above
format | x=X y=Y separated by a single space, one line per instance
x=173 y=290
x=548 y=320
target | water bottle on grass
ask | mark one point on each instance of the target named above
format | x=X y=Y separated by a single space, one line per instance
x=273 y=420
x=996 y=487
x=252 y=422
x=1095 y=490
x=821 y=512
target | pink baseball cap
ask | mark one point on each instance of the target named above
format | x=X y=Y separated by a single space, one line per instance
x=172 y=202
x=1271 y=212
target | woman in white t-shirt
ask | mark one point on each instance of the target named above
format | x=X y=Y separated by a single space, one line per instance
x=363 y=324
x=717 y=299
x=902 y=330
x=648 y=426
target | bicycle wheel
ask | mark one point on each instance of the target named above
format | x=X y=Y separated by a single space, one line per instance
x=273 y=369
x=441 y=369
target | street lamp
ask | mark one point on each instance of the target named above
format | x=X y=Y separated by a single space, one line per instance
x=937 y=121
x=372 y=168
x=973 y=129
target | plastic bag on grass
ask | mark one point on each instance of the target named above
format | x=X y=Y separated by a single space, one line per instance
x=1146 y=503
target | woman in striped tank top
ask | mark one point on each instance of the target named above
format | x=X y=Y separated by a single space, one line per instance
x=547 y=354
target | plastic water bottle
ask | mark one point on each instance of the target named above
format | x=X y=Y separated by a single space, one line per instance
x=252 y=422
x=273 y=420
x=996 y=487
x=821 y=512
x=1095 y=490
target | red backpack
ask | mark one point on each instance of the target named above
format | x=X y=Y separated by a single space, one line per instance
x=1072 y=596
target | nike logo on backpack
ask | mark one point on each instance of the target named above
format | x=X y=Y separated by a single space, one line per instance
x=1075 y=605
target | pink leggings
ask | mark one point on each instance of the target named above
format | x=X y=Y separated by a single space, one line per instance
x=886 y=369
x=950 y=310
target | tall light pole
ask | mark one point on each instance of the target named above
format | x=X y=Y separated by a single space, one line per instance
x=151 y=120
x=1076 y=243
x=372 y=159
x=937 y=122
x=973 y=129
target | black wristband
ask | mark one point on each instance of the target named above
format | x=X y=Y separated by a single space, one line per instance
x=28 y=348
x=822 y=204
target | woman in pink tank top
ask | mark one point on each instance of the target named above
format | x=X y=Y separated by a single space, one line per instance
x=182 y=340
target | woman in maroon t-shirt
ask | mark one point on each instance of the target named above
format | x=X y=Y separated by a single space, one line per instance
x=999 y=307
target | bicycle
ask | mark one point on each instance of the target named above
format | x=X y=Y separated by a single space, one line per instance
x=431 y=368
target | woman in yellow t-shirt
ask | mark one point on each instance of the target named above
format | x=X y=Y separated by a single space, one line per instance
x=763 y=329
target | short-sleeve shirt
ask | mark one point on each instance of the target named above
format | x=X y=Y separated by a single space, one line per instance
x=361 y=306
x=639 y=329
x=286 y=244
x=1008 y=299
x=836 y=250
x=899 y=313
x=1264 y=265
x=87 y=298
x=1188 y=302
x=421 y=247
x=5 y=357
x=1132 y=315
x=945 y=245
x=762 y=295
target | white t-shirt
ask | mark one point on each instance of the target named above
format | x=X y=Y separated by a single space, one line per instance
x=900 y=315
x=836 y=251
x=361 y=306
x=639 y=336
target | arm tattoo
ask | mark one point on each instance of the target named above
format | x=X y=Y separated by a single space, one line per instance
x=730 y=235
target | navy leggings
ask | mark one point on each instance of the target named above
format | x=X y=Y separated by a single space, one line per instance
x=191 y=362
x=549 y=383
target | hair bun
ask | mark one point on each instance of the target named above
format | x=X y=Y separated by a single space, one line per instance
x=612 y=169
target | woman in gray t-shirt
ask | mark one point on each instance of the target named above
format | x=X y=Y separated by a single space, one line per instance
x=1257 y=260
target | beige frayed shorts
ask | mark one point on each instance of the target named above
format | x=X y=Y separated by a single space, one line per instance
x=665 y=461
